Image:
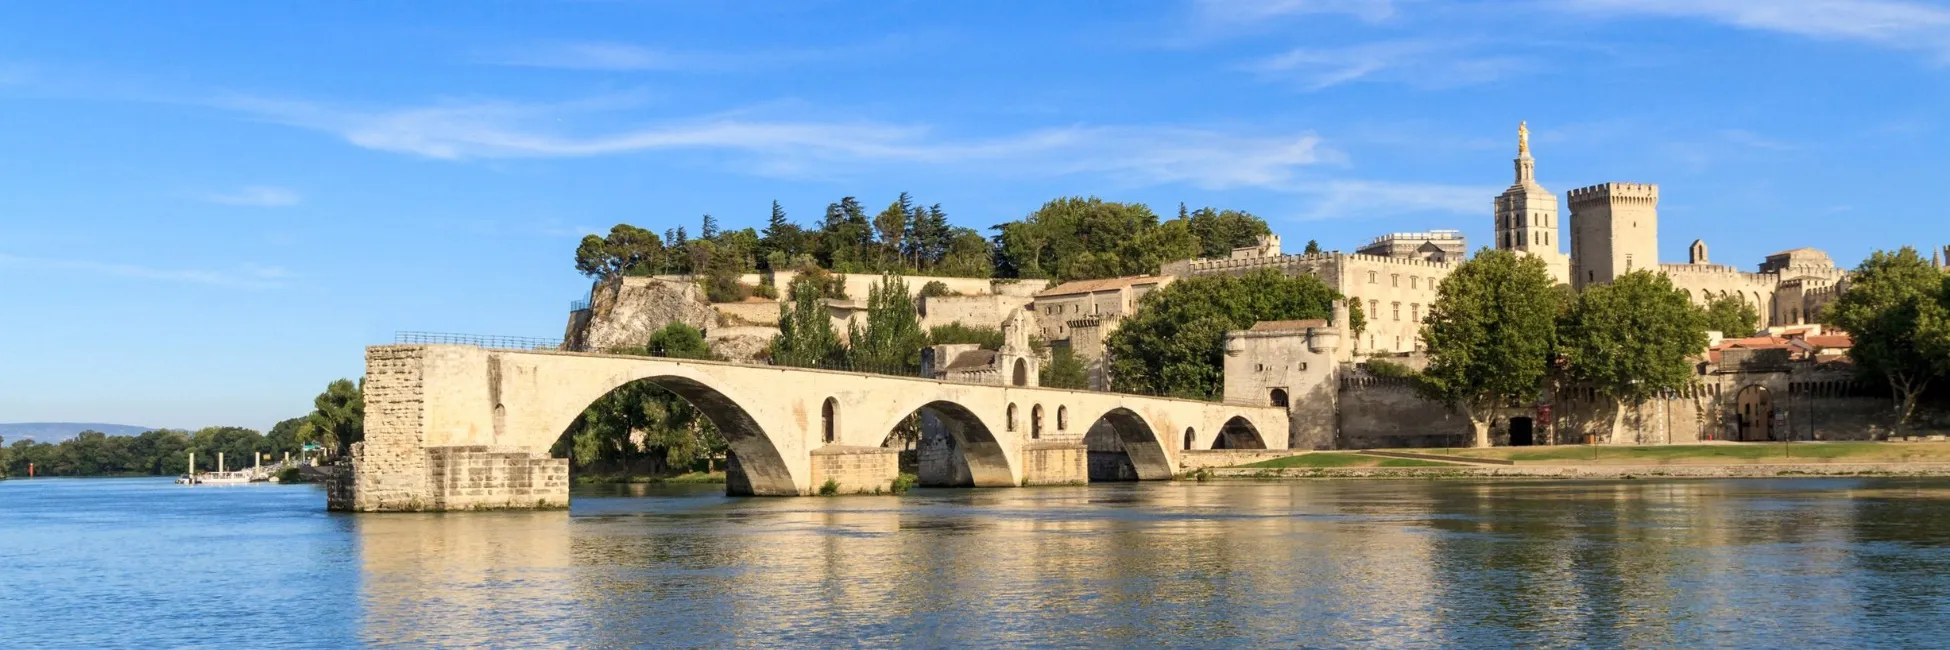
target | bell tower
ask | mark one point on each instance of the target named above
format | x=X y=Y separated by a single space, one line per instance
x=1526 y=215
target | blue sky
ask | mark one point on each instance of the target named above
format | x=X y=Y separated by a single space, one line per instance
x=207 y=209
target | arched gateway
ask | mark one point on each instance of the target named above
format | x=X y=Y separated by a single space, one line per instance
x=451 y=427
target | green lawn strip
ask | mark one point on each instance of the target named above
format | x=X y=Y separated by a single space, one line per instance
x=1414 y=462
x=1317 y=460
x=1857 y=451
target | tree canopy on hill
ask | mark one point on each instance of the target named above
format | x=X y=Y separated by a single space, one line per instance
x=1066 y=239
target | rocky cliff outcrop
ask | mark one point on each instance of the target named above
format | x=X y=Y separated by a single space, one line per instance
x=623 y=312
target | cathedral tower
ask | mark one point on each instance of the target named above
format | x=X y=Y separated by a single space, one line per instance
x=1614 y=231
x=1526 y=215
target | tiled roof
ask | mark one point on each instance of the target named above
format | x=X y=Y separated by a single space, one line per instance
x=1287 y=325
x=971 y=359
x=1092 y=286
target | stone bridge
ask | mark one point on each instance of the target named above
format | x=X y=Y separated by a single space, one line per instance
x=452 y=427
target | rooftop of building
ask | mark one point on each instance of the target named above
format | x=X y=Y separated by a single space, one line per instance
x=1287 y=325
x=1106 y=284
x=971 y=360
x=1419 y=236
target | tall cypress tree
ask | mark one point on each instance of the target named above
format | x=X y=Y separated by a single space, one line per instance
x=710 y=228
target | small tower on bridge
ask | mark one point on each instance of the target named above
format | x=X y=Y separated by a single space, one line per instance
x=1017 y=360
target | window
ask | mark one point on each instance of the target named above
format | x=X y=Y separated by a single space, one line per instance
x=829 y=417
x=1374 y=307
x=1371 y=277
x=1628 y=262
x=1010 y=423
x=1395 y=280
x=1062 y=418
x=1415 y=312
x=1398 y=315
x=1036 y=422
x=1278 y=397
x=1190 y=438
x=1398 y=343
x=1414 y=282
x=1259 y=367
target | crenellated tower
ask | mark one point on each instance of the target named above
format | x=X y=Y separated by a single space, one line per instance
x=1614 y=231
x=1526 y=214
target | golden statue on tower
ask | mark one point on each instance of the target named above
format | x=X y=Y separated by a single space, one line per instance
x=1523 y=138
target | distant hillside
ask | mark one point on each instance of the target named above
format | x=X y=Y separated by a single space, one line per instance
x=59 y=431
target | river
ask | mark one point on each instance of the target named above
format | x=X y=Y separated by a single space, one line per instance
x=1410 y=564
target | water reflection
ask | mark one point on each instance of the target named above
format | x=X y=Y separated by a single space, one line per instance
x=1768 y=563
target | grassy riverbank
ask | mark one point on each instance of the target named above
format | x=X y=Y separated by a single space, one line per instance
x=1338 y=459
x=691 y=477
x=1713 y=454
x=1579 y=461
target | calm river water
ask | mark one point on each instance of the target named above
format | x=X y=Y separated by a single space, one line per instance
x=1734 y=563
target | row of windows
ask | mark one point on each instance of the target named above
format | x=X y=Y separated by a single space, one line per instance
x=1036 y=419
x=1075 y=308
x=1414 y=310
x=1395 y=280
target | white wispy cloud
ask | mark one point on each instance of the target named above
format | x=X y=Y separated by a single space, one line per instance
x=1209 y=158
x=262 y=196
x=1428 y=64
x=1891 y=23
x=247 y=275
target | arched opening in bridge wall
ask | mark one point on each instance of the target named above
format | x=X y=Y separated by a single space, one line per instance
x=952 y=448
x=1021 y=377
x=829 y=421
x=1277 y=397
x=641 y=426
x=1122 y=447
x=1238 y=433
x=1036 y=422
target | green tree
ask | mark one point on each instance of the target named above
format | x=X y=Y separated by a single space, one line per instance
x=891 y=225
x=1490 y=335
x=1894 y=307
x=1175 y=343
x=1313 y=248
x=1633 y=339
x=1064 y=370
x=1220 y=231
x=1731 y=316
x=338 y=416
x=806 y=338
x=628 y=250
x=1051 y=239
x=988 y=338
x=891 y=339
x=782 y=240
x=678 y=340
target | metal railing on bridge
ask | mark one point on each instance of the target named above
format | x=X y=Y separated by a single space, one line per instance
x=477 y=340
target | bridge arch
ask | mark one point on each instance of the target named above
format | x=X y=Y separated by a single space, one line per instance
x=1239 y=433
x=1123 y=431
x=981 y=461
x=755 y=457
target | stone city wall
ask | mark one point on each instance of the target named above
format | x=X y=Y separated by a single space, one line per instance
x=973 y=311
x=484 y=478
x=1379 y=413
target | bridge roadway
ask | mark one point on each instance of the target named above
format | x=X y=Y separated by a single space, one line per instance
x=454 y=427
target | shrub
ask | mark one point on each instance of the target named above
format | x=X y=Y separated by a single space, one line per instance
x=903 y=483
x=291 y=475
x=1385 y=368
x=988 y=338
x=766 y=291
x=830 y=488
x=936 y=289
